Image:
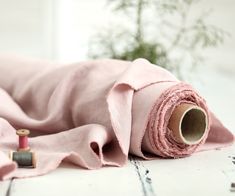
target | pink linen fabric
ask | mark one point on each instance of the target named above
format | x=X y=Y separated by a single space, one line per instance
x=93 y=113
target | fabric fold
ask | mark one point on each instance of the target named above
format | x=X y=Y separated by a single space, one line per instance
x=94 y=113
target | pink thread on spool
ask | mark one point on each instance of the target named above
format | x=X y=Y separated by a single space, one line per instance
x=23 y=139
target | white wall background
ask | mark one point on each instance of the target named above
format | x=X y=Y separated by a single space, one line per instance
x=24 y=27
x=61 y=29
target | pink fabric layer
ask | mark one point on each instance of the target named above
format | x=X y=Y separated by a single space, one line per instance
x=93 y=113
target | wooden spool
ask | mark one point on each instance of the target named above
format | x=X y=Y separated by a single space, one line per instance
x=23 y=140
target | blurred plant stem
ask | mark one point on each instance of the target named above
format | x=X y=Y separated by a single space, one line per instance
x=139 y=33
x=176 y=41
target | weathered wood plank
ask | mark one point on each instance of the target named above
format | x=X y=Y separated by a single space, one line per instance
x=68 y=180
x=4 y=185
x=143 y=176
x=204 y=173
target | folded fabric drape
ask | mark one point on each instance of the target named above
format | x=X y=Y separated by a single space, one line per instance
x=94 y=113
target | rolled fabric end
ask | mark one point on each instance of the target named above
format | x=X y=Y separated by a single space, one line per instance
x=188 y=123
x=173 y=122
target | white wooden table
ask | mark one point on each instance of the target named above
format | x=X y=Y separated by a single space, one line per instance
x=204 y=173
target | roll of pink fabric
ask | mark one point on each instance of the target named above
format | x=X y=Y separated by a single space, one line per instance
x=94 y=113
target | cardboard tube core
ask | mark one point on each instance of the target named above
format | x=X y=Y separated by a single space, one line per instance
x=188 y=123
